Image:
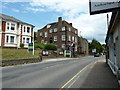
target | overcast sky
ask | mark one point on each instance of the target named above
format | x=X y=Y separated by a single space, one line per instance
x=41 y=12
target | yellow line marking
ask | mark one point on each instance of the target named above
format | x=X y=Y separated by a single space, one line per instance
x=74 y=76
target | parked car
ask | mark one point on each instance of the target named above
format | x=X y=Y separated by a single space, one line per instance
x=96 y=55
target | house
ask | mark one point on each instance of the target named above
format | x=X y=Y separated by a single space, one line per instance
x=113 y=44
x=13 y=32
x=83 y=47
x=61 y=33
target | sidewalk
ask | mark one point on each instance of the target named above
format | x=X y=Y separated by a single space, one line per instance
x=101 y=76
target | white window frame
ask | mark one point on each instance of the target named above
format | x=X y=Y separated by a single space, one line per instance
x=7 y=39
x=55 y=38
x=69 y=29
x=51 y=31
x=63 y=37
x=23 y=40
x=27 y=41
x=41 y=33
x=63 y=29
x=7 y=26
x=73 y=38
x=12 y=26
x=69 y=38
x=46 y=34
x=48 y=26
x=13 y=40
x=75 y=32
x=55 y=29
x=27 y=29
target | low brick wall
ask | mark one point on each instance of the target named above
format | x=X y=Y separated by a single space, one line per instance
x=19 y=61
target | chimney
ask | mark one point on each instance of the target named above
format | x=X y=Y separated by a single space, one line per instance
x=70 y=24
x=60 y=20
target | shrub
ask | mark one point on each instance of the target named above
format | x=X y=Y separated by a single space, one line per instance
x=21 y=45
x=39 y=45
x=50 y=47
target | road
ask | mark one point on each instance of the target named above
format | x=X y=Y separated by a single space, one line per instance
x=56 y=74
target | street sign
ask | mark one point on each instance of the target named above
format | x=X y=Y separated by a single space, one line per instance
x=103 y=6
x=30 y=46
x=93 y=50
x=67 y=53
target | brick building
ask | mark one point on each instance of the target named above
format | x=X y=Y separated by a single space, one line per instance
x=61 y=33
x=83 y=47
x=13 y=32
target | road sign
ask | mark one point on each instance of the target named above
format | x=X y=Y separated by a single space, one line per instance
x=30 y=46
x=67 y=53
x=103 y=6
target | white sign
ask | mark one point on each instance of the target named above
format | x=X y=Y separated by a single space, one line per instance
x=103 y=6
x=93 y=50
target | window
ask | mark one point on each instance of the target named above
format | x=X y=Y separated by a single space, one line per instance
x=75 y=32
x=63 y=46
x=63 y=37
x=69 y=29
x=12 y=26
x=69 y=38
x=48 y=26
x=24 y=29
x=23 y=40
x=28 y=29
x=63 y=28
x=55 y=30
x=8 y=26
x=46 y=34
x=51 y=30
x=41 y=34
x=11 y=39
x=55 y=38
x=27 y=41
x=42 y=41
x=7 y=39
x=73 y=38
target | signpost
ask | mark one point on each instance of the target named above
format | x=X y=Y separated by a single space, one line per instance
x=103 y=6
x=31 y=47
x=67 y=53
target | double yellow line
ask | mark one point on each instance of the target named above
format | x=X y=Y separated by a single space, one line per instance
x=74 y=77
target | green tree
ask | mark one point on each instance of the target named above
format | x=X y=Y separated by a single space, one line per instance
x=39 y=45
x=95 y=45
x=50 y=46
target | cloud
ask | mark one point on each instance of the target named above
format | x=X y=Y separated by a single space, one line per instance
x=77 y=12
x=15 y=10
x=34 y=9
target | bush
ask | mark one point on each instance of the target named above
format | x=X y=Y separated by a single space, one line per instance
x=21 y=45
x=50 y=47
x=39 y=45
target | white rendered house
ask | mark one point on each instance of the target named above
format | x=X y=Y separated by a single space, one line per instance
x=13 y=32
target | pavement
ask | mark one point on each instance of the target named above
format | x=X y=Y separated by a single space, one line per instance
x=101 y=76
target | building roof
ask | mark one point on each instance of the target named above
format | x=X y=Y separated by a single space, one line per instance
x=11 y=18
x=113 y=21
x=55 y=24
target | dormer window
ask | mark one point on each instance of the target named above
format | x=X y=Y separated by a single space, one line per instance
x=48 y=26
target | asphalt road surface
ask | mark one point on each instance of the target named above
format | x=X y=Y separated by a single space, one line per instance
x=56 y=74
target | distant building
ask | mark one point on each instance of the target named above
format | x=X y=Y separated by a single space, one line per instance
x=83 y=47
x=61 y=33
x=113 y=44
x=13 y=32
